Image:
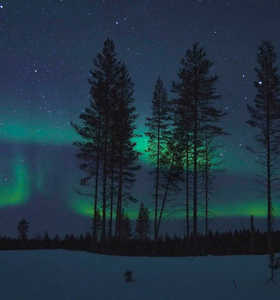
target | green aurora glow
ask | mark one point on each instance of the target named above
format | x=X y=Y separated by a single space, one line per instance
x=258 y=209
x=18 y=191
x=48 y=133
x=39 y=133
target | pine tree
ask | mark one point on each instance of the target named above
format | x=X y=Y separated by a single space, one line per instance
x=96 y=125
x=265 y=117
x=126 y=155
x=195 y=92
x=142 y=227
x=172 y=172
x=182 y=122
x=157 y=135
x=105 y=75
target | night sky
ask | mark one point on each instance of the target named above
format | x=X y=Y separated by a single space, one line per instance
x=47 y=48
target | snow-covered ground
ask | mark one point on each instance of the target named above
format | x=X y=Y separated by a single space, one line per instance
x=66 y=275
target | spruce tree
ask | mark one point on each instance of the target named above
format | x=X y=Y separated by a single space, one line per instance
x=23 y=228
x=142 y=226
x=265 y=116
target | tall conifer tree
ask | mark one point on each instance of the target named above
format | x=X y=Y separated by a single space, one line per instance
x=157 y=134
x=195 y=91
x=126 y=155
x=96 y=124
x=182 y=122
x=265 y=117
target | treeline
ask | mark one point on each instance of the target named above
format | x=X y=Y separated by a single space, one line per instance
x=182 y=132
x=215 y=243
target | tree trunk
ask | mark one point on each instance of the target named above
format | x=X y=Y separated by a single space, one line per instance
x=164 y=197
x=119 y=204
x=187 y=193
x=268 y=167
x=195 y=174
x=111 y=202
x=104 y=188
x=157 y=183
x=252 y=235
x=206 y=187
x=96 y=191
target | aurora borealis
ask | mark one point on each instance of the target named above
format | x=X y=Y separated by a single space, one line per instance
x=47 y=48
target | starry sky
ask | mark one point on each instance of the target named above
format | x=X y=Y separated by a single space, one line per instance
x=47 y=48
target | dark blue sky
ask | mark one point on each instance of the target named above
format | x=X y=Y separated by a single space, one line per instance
x=47 y=48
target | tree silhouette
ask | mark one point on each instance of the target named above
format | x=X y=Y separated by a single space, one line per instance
x=97 y=121
x=157 y=134
x=126 y=155
x=23 y=228
x=142 y=227
x=172 y=172
x=195 y=91
x=265 y=116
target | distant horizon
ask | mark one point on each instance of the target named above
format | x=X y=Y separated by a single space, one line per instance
x=83 y=226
